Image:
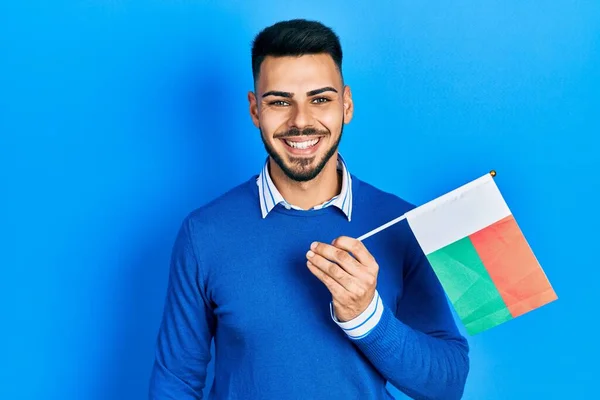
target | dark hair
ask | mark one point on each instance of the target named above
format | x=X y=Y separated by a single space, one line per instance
x=295 y=37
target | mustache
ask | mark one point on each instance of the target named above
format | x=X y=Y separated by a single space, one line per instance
x=304 y=132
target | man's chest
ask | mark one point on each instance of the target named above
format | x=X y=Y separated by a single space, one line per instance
x=272 y=290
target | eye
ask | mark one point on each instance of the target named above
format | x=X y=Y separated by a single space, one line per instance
x=279 y=103
x=318 y=100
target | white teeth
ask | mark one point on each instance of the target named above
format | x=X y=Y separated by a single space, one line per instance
x=303 y=145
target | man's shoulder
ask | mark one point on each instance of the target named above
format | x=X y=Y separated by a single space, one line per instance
x=239 y=199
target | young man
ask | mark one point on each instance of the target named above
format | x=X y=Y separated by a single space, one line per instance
x=297 y=307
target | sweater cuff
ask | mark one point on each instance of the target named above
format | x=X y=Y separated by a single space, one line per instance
x=363 y=324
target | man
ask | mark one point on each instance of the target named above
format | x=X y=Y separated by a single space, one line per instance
x=297 y=307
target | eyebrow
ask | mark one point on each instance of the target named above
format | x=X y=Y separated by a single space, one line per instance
x=289 y=95
x=319 y=91
x=278 y=94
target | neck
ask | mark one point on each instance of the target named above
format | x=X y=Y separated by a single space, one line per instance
x=306 y=195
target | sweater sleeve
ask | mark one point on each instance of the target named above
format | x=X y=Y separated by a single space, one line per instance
x=183 y=346
x=419 y=349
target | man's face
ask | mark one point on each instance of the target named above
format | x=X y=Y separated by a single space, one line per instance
x=300 y=107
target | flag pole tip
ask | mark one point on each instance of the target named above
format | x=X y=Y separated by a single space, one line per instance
x=493 y=173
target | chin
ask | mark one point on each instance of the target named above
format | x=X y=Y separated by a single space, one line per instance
x=299 y=169
x=303 y=176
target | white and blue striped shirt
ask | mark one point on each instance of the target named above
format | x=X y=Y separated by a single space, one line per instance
x=269 y=197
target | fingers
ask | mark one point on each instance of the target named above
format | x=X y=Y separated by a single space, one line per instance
x=343 y=290
x=358 y=250
x=332 y=271
x=339 y=257
x=334 y=287
x=339 y=270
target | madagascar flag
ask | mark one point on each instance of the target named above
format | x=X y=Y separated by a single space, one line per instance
x=480 y=255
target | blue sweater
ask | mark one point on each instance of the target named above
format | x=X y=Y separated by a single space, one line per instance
x=243 y=280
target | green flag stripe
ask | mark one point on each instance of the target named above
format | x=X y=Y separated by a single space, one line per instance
x=489 y=321
x=469 y=286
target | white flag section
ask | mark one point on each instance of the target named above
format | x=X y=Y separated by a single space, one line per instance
x=454 y=215
x=457 y=214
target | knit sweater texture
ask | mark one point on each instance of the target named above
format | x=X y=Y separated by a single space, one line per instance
x=242 y=280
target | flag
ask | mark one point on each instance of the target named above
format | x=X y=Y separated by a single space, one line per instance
x=480 y=255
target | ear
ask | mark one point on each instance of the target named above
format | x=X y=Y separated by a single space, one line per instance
x=348 y=105
x=253 y=104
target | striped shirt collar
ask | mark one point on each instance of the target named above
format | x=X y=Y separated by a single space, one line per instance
x=270 y=196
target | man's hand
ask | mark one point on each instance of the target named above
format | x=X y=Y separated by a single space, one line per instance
x=349 y=271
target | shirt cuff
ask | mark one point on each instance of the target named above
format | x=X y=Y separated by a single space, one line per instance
x=362 y=325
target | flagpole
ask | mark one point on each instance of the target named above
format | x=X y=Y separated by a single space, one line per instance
x=382 y=227
x=396 y=220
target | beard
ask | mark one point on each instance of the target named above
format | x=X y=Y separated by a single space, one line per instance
x=300 y=170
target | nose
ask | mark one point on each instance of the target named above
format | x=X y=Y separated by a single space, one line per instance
x=300 y=117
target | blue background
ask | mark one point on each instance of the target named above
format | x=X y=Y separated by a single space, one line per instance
x=119 y=117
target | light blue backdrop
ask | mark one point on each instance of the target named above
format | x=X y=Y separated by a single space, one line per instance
x=119 y=117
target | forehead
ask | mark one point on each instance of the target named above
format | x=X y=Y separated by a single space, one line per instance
x=292 y=73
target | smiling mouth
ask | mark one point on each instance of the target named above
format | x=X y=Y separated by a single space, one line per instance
x=302 y=144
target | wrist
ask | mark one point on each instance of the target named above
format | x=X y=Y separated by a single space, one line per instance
x=361 y=325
